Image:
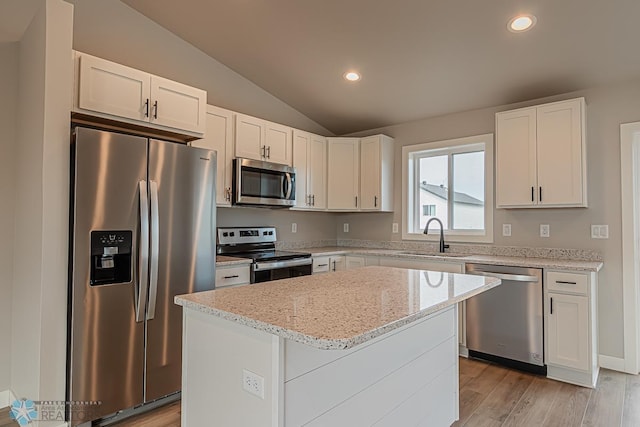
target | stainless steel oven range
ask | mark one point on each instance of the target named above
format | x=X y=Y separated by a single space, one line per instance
x=258 y=243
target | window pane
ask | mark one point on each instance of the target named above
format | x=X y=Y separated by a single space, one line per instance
x=434 y=190
x=468 y=187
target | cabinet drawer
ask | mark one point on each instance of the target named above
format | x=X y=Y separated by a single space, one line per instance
x=567 y=282
x=321 y=264
x=232 y=276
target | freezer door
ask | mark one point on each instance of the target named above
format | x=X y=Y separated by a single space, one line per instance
x=182 y=194
x=106 y=343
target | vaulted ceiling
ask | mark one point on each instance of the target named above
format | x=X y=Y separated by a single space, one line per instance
x=418 y=58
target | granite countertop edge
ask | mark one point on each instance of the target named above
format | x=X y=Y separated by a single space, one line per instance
x=516 y=261
x=324 y=343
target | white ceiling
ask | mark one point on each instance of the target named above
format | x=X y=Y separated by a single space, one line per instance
x=418 y=58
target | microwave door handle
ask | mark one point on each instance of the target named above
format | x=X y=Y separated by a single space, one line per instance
x=288 y=186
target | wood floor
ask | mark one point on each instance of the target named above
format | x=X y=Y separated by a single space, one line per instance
x=491 y=395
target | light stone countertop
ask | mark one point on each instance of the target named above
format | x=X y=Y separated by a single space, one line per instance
x=342 y=309
x=223 y=261
x=517 y=261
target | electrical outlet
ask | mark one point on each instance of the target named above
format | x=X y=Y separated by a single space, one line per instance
x=545 y=230
x=294 y=227
x=345 y=227
x=506 y=230
x=599 y=231
x=394 y=227
x=253 y=383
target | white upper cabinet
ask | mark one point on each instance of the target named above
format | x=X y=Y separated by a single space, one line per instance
x=376 y=173
x=259 y=139
x=310 y=161
x=219 y=137
x=114 y=91
x=541 y=156
x=344 y=174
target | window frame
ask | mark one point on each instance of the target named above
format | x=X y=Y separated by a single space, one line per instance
x=411 y=193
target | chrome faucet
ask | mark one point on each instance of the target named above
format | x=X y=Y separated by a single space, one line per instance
x=426 y=231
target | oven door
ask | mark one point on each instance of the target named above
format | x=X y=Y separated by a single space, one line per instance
x=263 y=183
x=275 y=270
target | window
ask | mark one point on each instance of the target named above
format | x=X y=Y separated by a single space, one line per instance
x=452 y=181
x=428 y=210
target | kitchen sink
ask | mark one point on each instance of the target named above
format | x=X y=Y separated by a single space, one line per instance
x=433 y=254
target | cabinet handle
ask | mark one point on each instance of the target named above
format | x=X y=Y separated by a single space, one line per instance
x=564 y=282
x=551 y=304
x=375 y=201
x=322 y=265
x=334 y=266
x=146 y=108
x=313 y=200
x=540 y=194
x=268 y=152
x=155 y=110
x=235 y=276
x=264 y=151
x=532 y=193
x=356 y=201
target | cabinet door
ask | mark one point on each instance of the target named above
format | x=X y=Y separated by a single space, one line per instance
x=568 y=331
x=300 y=158
x=177 y=106
x=318 y=171
x=278 y=143
x=343 y=174
x=516 y=158
x=219 y=137
x=370 y=183
x=337 y=263
x=352 y=262
x=110 y=88
x=249 y=137
x=560 y=153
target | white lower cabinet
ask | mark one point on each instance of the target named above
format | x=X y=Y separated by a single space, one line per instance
x=570 y=327
x=352 y=262
x=232 y=276
x=326 y=264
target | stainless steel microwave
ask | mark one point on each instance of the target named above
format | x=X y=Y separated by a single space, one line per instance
x=264 y=184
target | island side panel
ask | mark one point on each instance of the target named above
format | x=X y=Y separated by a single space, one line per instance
x=215 y=353
x=388 y=380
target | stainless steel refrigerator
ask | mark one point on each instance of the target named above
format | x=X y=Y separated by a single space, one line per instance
x=143 y=231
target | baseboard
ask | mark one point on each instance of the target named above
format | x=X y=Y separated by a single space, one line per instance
x=6 y=398
x=610 y=362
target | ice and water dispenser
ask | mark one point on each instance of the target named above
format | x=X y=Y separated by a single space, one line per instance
x=111 y=257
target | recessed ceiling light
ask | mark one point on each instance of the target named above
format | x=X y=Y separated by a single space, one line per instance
x=521 y=23
x=352 y=76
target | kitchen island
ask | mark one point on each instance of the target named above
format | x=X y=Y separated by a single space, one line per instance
x=373 y=346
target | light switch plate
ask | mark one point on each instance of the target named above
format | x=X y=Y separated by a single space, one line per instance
x=294 y=227
x=545 y=230
x=506 y=230
x=345 y=227
x=394 y=227
x=599 y=231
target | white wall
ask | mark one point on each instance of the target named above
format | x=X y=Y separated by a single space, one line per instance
x=38 y=342
x=8 y=144
x=113 y=30
x=607 y=108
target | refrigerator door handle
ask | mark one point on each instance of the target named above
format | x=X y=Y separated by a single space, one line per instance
x=143 y=252
x=155 y=249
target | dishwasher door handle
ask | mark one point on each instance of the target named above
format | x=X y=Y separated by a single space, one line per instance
x=505 y=276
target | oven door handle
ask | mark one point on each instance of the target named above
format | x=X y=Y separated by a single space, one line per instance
x=288 y=186
x=504 y=276
x=273 y=265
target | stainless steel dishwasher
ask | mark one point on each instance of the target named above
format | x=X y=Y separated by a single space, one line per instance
x=505 y=324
